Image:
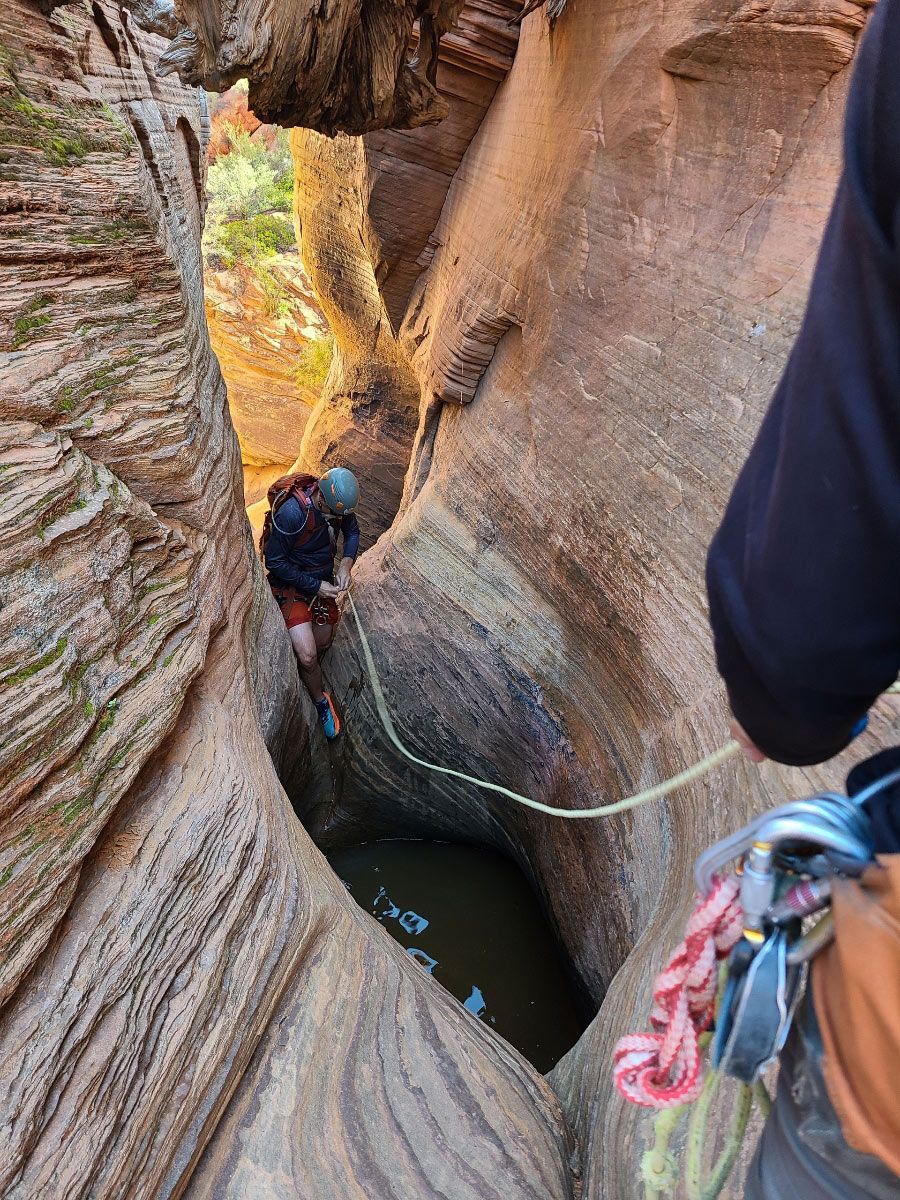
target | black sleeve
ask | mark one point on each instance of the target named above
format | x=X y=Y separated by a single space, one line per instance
x=804 y=572
x=350 y=530
x=279 y=559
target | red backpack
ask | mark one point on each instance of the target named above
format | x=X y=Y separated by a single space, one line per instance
x=282 y=489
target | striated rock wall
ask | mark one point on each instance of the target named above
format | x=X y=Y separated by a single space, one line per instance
x=367 y=414
x=410 y=170
x=365 y=210
x=165 y=922
x=619 y=270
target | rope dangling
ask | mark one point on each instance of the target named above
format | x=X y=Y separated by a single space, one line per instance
x=663 y=1069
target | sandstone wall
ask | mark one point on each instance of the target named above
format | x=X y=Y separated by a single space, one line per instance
x=259 y=341
x=164 y=920
x=619 y=269
x=366 y=210
x=367 y=413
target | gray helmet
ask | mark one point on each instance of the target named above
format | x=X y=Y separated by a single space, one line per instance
x=340 y=489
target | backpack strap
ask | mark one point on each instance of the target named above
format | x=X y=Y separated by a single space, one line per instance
x=299 y=494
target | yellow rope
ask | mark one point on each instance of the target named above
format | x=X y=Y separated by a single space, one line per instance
x=603 y=810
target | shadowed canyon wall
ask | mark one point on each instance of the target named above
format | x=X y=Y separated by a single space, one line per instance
x=191 y=1004
x=618 y=272
x=173 y=946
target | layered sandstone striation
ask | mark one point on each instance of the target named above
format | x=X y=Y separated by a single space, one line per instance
x=164 y=918
x=618 y=272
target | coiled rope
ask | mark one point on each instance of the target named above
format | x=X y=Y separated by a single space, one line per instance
x=602 y=810
x=664 y=1069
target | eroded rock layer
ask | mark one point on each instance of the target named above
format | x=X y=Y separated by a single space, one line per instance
x=159 y=903
x=342 y=68
x=619 y=270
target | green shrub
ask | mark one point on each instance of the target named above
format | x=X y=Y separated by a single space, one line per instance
x=251 y=240
x=251 y=192
x=314 y=363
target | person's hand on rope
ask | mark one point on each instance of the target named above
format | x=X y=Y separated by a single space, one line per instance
x=344 y=573
x=748 y=748
x=328 y=591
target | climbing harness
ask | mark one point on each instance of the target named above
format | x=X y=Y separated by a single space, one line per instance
x=319 y=610
x=787 y=856
x=752 y=918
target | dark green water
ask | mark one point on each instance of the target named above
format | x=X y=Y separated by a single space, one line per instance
x=470 y=918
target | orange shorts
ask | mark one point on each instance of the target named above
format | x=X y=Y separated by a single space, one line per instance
x=297 y=611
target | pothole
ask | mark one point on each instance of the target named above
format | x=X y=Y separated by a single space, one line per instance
x=469 y=917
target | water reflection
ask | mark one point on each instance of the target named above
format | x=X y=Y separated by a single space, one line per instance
x=469 y=918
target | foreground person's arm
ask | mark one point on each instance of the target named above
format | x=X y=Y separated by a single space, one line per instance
x=804 y=573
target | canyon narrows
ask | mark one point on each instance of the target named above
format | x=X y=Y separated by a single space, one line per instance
x=564 y=308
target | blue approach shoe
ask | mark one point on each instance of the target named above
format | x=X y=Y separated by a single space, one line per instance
x=331 y=722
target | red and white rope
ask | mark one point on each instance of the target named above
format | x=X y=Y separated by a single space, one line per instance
x=663 y=1068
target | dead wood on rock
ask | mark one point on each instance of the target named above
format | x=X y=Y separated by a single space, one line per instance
x=338 y=69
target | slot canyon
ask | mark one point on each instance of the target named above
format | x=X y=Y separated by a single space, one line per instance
x=539 y=308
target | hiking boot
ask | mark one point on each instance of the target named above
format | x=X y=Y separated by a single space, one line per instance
x=331 y=722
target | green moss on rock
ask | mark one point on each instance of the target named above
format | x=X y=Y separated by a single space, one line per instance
x=45 y=660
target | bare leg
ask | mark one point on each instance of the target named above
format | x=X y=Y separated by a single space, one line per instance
x=305 y=645
x=324 y=635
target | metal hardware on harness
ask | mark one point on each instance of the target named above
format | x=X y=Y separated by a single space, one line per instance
x=319 y=610
x=756 y=1010
x=788 y=857
x=801 y=900
x=831 y=822
x=808 y=946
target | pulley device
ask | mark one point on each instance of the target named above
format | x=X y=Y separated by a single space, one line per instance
x=787 y=858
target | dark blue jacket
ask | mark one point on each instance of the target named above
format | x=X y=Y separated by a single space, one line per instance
x=804 y=573
x=301 y=546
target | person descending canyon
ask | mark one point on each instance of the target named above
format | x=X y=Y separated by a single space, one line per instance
x=298 y=544
x=805 y=610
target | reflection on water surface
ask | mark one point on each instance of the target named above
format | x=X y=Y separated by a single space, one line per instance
x=469 y=917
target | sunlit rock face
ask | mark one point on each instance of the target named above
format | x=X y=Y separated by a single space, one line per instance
x=164 y=920
x=366 y=209
x=259 y=343
x=618 y=273
x=267 y=330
